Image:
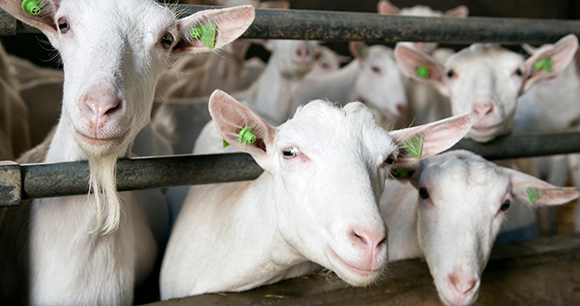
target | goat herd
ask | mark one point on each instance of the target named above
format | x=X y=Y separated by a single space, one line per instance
x=334 y=177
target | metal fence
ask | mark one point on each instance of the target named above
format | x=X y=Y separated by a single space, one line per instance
x=372 y=27
x=18 y=182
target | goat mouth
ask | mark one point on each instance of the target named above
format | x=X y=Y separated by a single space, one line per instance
x=97 y=141
x=359 y=271
x=485 y=129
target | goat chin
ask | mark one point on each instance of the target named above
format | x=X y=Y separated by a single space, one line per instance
x=103 y=191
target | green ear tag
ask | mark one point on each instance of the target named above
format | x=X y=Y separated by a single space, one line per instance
x=402 y=172
x=205 y=33
x=413 y=146
x=533 y=194
x=423 y=72
x=361 y=51
x=545 y=64
x=31 y=7
x=247 y=135
x=225 y=143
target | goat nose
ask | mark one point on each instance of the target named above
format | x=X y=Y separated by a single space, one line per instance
x=100 y=103
x=482 y=109
x=103 y=107
x=402 y=109
x=302 y=52
x=463 y=284
x=368 y=239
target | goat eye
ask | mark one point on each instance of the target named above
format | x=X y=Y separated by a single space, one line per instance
x=423 y=193
x=518 y=72
x=63 y=25
x=505 y=205
x=390 y=160
x=167 y=40
x=289 y=153
x=450 y=73
x=376 y=69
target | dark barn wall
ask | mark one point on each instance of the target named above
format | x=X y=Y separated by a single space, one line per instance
x=560 y=9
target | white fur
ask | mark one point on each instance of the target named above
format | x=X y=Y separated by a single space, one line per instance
x=456 y=226
x=311 y=207
x=82 y=252
x=272 y=94
x=486 y=79
x=372 y=76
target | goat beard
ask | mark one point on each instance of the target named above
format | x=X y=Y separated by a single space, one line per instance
x=103 y=191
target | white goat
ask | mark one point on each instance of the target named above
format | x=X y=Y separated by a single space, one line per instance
x=552 y=105
x=95 y=249
x=426 y=104
x=485 y=79
x=373 y=76
x=316 y=201
x=326 y=60
x=224 y=70
x=384 y=7
x=272 y=94
x=452 y=212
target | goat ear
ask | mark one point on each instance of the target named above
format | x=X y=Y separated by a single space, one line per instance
x=385 y=7
x=44 y=20
x=529 y=48
x=459 y=12
x=231 y=117
x=559 y=56
x=411 y=60
x=536 y=191
x=216 y=28
x=358 y=49
x=423 y=141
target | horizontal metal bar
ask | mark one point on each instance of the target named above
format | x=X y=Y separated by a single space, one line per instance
x=524 y=145
x=50 y=180
x=372 y=27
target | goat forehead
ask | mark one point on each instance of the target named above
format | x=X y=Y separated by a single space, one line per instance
x=321 y=127
x=129 y=16
x=473 y=181
x=381 y=54
x=420 y=10
x=491 y=54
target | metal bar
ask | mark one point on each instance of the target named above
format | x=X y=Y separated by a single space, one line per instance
x=50 y=180
x=524 y=145
x=62 y=179
x=372 y=27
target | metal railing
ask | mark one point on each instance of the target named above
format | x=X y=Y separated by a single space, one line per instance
x=18 y=182
x=372 y=27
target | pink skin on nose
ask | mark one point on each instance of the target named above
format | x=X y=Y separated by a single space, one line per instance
x=99 y=107
x=402 y=109
x=370 y=244
x=463 y=288
x=303 y=54
x=482 y=109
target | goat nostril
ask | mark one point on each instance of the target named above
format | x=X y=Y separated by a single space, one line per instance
x=401 y=108
x=114 y=109
x=361 y=238
x=462 y=286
